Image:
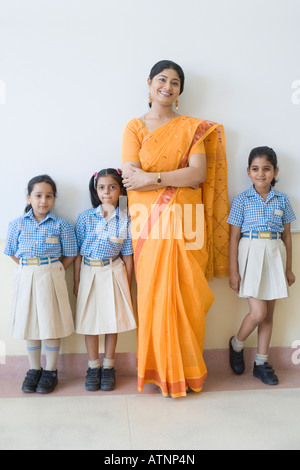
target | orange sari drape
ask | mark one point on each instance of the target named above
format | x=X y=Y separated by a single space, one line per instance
x=177 y=248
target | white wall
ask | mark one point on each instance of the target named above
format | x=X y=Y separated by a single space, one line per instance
x=74 y=72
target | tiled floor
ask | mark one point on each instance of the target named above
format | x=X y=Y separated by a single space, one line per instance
x=231 y=413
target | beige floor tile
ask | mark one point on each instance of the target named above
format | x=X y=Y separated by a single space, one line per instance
x=252 y=419
x=218 y=420
x=64 y=423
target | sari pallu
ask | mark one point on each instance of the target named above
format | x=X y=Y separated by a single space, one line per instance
x=170 y=267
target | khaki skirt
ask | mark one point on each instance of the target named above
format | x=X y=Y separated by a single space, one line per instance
x=41 y=308
x=262 y=265
x=104 y=302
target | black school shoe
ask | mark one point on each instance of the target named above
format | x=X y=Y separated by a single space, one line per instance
x=108 y=379
x=47 y=382
x=31 y=380
x=265 y=373
x=236 y=360
x=92 y=380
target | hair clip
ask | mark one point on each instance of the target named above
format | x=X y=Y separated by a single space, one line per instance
x=119 y=171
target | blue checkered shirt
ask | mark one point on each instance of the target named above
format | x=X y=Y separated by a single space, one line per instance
x=53 y=237
x=251 y=212
x=101 y=239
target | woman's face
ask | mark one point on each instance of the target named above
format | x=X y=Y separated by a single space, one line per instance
x=164 y=88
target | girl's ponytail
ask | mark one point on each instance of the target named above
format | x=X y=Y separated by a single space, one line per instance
x=93 y=191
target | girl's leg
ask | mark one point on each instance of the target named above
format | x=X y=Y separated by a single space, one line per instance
x=48 y=380
x=92 y=347
x=93 y=377
x=110 y=346
x=52 y=347
x=262 y=370
x=108 y=380
x=265 y=331
x=34 y=374
x=34 y=348
x=257 y=314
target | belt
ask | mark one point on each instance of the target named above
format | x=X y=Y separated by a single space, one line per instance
x=37 y=261
x=99 y=262
x=262 y=235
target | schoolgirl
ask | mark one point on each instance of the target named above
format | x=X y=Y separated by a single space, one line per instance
x=101 y=278
x=43 y=245
x=260 y=256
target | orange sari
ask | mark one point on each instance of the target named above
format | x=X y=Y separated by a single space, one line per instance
x=177 y=248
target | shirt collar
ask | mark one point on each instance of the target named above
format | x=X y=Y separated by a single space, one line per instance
x=252 y=193
x=30 y=215
x=98 y=211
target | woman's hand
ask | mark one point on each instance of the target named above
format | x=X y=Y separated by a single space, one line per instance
x=135 y=179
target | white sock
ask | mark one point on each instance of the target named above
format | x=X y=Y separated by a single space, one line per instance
x=108 y=363
x=260 y=359
x=96 y=364
x=34 y=348
x=52 y=347
x=237 y=345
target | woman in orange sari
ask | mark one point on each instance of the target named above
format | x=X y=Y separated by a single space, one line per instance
x=173 y=167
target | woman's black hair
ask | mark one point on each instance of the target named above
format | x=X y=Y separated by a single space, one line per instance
x=115 y=174
x=167 y=64
x=39 y=179
x=259 y=152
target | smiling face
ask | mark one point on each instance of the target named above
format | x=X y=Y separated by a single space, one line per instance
x=262 y=173
x=41 y=199
x=108 y=190
x=164 y=88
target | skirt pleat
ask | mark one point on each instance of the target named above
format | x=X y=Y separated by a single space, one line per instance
x=262 y=265
x=41 y=308
x=104 y=301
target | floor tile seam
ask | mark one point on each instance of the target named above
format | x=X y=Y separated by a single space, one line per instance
x=128 y=422
x=126 y=395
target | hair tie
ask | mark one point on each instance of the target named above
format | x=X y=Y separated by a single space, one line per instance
x=119 y=171
x=95 y=179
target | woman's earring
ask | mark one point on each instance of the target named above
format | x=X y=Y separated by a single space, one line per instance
x=150 y=99
x=176 y=104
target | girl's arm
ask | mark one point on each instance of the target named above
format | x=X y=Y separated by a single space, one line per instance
x=234 y=277
x=136 y=179
x=16 y=260
x=77 y=264
x=287 y=240
x=128 y=261
x=67 y=260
